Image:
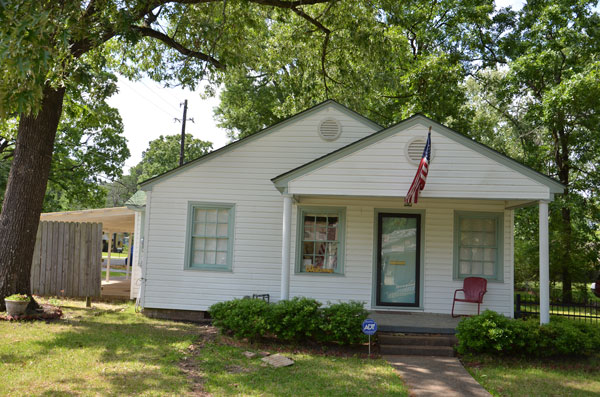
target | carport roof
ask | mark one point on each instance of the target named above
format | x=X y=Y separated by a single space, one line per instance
x=117 y=219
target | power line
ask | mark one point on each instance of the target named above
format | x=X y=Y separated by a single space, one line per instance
x=159 y=96
x=148 y=100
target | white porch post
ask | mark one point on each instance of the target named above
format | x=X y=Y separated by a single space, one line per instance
x=108 y=258
x=544 y=264
x=285 y=247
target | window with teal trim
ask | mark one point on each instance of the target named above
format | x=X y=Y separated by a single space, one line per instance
x=211 y=237
x=478 y=245
x=321 y=240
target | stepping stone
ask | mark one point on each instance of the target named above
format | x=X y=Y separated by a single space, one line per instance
x=249 y=354
x=277 y=360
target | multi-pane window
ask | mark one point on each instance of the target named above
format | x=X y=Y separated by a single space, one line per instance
x=211 y=237
x=321 y=240
x=478 y=245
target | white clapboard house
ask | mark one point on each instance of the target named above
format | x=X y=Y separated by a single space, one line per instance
x=314 y=206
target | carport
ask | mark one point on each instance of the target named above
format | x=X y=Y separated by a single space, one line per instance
x=113 y=220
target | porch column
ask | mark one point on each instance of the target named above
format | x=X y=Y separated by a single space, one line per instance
x=108 y=258
x=544 y=264
x=285 y=247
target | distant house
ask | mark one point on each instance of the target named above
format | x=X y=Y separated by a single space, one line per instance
x=313 y=206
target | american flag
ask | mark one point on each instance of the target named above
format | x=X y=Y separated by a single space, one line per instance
x=418 y=183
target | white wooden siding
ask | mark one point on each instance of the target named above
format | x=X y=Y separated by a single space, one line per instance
x=241 y=176
x=438 y=284
x=382 y=169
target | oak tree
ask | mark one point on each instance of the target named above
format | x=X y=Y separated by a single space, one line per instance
x=48 y=48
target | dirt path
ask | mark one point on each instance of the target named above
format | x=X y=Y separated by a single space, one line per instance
x=189 y=364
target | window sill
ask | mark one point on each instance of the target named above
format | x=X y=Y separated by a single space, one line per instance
x=319 y=274
x=209 y=269
x=490 y=280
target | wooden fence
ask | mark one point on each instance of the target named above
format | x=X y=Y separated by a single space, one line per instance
x=67 y=259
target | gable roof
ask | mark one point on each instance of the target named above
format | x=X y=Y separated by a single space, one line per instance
x=281 y=181
x=147 y=184
x=137 y=202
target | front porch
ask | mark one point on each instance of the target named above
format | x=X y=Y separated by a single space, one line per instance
x=414 y=322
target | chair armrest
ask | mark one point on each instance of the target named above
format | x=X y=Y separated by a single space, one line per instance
x=481 y=295
x=461 y=289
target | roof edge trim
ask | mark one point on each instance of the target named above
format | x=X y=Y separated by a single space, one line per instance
x=147 y=184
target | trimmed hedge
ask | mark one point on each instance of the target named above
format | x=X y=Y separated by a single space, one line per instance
x=245 y=318
x=298 y=319
x=493 y=333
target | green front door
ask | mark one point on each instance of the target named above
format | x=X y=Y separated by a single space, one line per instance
x=398 y=259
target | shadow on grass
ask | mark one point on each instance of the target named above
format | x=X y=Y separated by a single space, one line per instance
x=228 y=372
x=128 y=353
x=523 y=377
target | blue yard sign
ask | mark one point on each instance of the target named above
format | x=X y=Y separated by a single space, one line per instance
x=369 y=327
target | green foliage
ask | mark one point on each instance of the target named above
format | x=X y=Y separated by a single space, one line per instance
x=245 y=318
x=493 y=333
x=488 y=332
x=295 y=319
x=342 y=322
x=17 y=298
x=298 y=319
x=162 y=154
x=386 y=61
x=545 y=104
x=89 y=147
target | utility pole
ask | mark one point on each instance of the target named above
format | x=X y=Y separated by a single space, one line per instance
x=182 y=149
x=183 y=120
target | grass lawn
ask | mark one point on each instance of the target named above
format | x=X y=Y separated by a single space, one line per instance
x=111 y=350
x=228 y=373
x=512 y=377
x=113 y=274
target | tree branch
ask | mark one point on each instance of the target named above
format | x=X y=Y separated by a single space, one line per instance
x=148 y=32
x=327 y=32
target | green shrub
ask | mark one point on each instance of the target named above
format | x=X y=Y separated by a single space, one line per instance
x=298 y=319
x=488 y=332
x=493 y=333
x=568 y=337
x=245 y=318
x=295 y=319
x=342 y=323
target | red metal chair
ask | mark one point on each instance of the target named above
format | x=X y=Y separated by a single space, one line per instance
x=473 y=289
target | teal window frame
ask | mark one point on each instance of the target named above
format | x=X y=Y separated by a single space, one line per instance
x=498 y=217
x=192 y=207
x=340 y=212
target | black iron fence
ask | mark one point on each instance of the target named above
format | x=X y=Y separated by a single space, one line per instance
x=529 y=305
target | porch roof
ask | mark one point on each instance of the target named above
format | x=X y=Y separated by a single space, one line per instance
x=117 y=219
x=378 y=165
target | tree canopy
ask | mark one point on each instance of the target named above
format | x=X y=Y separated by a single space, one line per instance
x=90 y=147
x=384 y=59
x=161 y=156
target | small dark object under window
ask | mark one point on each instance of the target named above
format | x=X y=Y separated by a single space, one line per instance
x=265 y=297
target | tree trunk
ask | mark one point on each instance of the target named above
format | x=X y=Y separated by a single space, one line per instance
x=25 y=192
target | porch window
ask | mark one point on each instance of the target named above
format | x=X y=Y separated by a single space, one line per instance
x=210 y=236
x=320 y=245
x=478 y=245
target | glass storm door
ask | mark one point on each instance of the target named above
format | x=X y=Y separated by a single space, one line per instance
x=398 y=259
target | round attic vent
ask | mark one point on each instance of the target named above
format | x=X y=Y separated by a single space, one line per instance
x=330 y=129
x=414 y=150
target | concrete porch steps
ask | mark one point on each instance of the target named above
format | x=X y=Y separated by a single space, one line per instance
x=417 y=345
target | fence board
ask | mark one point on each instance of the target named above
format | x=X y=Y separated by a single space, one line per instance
x=35 y=267
x=42 y=278
x=67 y=259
